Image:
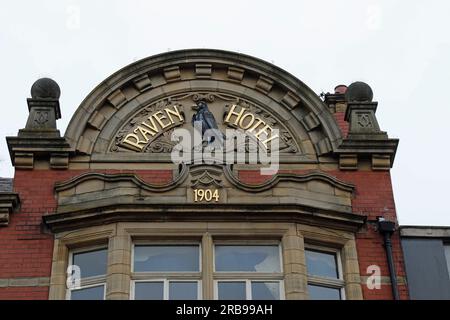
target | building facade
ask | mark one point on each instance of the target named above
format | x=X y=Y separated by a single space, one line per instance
x=105 y=212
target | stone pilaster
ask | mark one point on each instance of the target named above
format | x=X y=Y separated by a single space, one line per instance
x=294 y=265
x=59 y=266
x=207 y=267
x=350 y=266
x=119 y=268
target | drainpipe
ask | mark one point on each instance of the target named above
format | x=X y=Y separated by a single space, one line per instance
x=387 y=228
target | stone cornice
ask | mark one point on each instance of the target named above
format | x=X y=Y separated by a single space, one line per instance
x=200 y=212
x=29 y=145
x=380 y=151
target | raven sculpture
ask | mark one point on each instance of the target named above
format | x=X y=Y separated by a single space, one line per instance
x=208 y=122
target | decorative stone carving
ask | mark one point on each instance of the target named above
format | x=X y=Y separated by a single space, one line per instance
x=361 y=117
x=206 y=176
x=41 y=117
x=172 y=73
x=218 y=103
x=290 y=100
x=364 y=121
x=235 y=74
x=117 y=98
x=40 y=137
x=264 y=84
x=365 y=140
x=287 y=142
x=312 y=197
x=204 y=71
x=163 y=144
x=381 y=162
x=348 y=162
x=142 y=82
x=160 y=141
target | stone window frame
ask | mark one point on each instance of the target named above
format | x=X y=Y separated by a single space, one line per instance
x=166 y=282
x=88 y=282
x=343 y=242
x=166 y=276
x=338 y=283
x=103 y=284
x=293 y=236
x=248 y=276
x=248 y=283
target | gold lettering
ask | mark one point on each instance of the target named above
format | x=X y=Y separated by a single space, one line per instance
x=159 y=116
x=238 y=115
x=144 y=133
x=151 y=126
x=253 y=124
x=259 y=121
x=134 y=141
x=270 y=139
x=264 y=129
x=241 y=122
x=175 y=113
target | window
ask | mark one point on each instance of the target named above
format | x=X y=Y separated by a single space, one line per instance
x=447 y=256
x=166 y=258
x=324 y=274
x=166 y=272
x=91 y=265
x=246 y=272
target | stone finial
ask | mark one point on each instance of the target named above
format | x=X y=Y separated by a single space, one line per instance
x=41 y=137
x=43 y=105
x=359 y=91
x=365 y=138
x=45 y=88
x=361 y=110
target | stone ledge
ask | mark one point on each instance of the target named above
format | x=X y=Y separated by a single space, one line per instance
x=25 y=282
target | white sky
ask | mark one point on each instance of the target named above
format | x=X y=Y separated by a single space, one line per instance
x=400 y=48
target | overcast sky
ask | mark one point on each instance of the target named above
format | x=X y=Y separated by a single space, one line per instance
x=400 y=48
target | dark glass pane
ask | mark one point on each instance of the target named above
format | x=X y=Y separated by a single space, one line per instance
x=182 y=290
x=231 y=291
x=321 y=264
x=447 y=256
x=91 y=263
x=149 y=290
x=323 y=293
x=247 y=258
x=166 y=258
x=91 y=293
x=265 y=290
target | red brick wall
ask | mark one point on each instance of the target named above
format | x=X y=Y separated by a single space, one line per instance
x=373 y=197
x=24 y=250
x=343 y=125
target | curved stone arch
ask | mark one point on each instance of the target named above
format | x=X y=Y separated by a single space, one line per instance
x=117 y=98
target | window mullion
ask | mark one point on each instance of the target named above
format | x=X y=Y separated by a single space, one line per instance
x=166 y=289
x=248 y=286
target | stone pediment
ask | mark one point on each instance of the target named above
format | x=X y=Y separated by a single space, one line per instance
x=130 y=116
